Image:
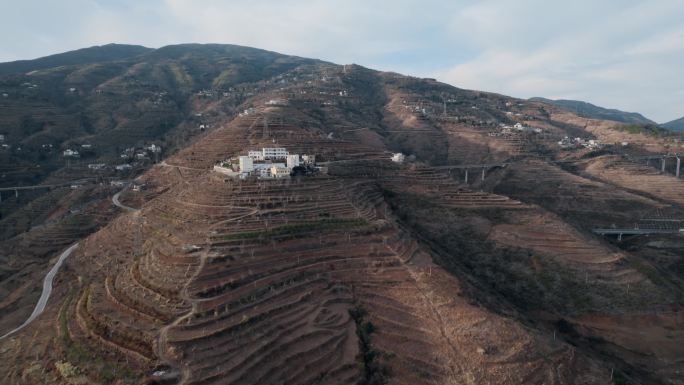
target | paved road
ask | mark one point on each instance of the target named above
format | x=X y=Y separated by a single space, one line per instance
x=47 y=290
x=46 y=186
x=117 y=203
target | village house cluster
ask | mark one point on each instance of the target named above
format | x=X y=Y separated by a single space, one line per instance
x=571 y=143
x=140 y=153
x=267 y=163
x=505 y=129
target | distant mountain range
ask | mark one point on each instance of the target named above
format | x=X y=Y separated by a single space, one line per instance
x=675 y=125
x=589 y=110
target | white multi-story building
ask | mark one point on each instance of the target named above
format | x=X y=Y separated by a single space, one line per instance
x=274 y=152
x=268 y=153
x=292 y=161
x=256 y=155
x=246 y=164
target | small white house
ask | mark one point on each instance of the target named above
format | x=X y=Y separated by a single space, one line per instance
x=279 y=172
x=153 y=148
x=398 y=157
x=71 y=153
x=276 y=102
x=123 y=167
x=96 y=166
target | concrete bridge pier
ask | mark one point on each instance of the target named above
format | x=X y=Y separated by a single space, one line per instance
x=679 y=163
x=483 y=174
x=662 y=165
x=466 y=176
x=16 y=193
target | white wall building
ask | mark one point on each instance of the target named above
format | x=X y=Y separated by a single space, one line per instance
x=398 y=157
x=246 y=164
x=292 y=161
x=226 y=170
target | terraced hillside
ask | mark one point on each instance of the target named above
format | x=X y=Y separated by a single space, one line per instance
x=368 y=271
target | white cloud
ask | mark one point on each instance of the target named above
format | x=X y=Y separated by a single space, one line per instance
x=626 y=57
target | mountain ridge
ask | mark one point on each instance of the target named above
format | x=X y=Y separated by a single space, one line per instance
x=593 y=111
x=675 y=125
x=108 y=52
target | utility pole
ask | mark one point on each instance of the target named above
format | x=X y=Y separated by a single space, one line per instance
x=265 y=132
x=679 y=163
x=137 y=242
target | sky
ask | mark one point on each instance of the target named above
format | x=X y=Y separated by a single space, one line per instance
x=625 y=54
